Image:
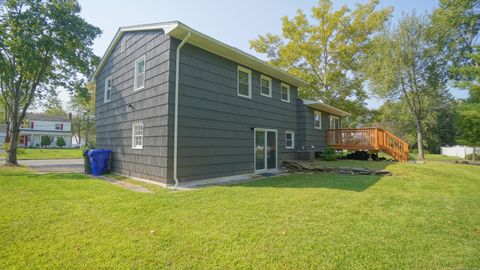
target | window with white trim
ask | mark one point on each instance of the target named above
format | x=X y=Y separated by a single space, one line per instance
x=58 y=126
x=335 y=122
x=289 y=139
x=244 y=85
x=139 y=78
x=285 y=92
x=265 y=86
x=317 y=120
x=137 y=136
x=108 y=89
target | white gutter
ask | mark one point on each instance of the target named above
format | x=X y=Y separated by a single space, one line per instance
x=175 y=134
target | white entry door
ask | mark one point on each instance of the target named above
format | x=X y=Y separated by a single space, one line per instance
x=266 y=155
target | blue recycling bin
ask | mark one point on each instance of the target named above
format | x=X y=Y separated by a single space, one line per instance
x=99 y=160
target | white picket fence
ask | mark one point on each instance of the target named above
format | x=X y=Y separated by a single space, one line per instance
x=457 y=151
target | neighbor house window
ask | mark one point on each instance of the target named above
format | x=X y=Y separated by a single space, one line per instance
x=244 y=87
x=285 y=92
x=137 y=136
x=139 y=78
x=289 y=139
x=317 y=120
x=59 y=126
x=108 y=89
x=265 y=86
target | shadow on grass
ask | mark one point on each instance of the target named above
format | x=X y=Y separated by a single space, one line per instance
x=357 y=183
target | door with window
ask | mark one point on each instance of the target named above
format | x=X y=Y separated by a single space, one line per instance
x=265 y=149
x=335 y=124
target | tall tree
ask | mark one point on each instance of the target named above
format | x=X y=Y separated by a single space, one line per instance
x=458 y=25
x=82 y=105
x=328 y=53
x=407 y=65
x=42 y=44
x=468 y=124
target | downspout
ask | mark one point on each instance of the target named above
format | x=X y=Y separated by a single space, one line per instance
x=175 y=132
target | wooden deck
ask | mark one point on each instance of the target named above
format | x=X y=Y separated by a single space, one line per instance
x=370 y=139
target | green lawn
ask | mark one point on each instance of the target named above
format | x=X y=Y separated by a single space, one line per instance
x=425 y=216
x=39 y=153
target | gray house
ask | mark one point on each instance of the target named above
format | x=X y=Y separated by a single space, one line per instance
x=175 y=105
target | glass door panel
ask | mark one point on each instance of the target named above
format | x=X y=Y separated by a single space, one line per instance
x=259 y=150
x=271 y=150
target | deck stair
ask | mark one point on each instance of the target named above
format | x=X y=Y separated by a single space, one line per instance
x=369 y=139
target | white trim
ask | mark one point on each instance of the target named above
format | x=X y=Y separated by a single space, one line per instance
x=134 y=146
x=142 y=58
x=179 y=30
x=293 y=139
x=249 y=72
x=265 y=130
x=318 y=105
x=288 y=92
x=105 y=100
x=263 y=77
x=320 y=121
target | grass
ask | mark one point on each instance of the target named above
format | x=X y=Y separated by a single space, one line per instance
x=437 y=157
x=49 y=153
x=426 y=216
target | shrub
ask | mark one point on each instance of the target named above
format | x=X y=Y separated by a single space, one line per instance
x=329 y=154
x=45 y=141
x=470 y=157
x=358 y=155
x=61 y=142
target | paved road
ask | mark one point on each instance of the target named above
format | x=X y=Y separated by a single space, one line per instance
x=55 y=165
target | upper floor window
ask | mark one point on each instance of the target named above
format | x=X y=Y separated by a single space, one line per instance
x=58 y=126
x=108 y=89
x=265 y=86
x=317 y=120
x=289 y=139
x=32 y=125
x=285 y=92
x=244 y=84
x=139 y=78
x=137 y=136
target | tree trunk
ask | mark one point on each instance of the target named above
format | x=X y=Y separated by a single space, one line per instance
x=12 y=152
x=88 y=130
x=421 y=156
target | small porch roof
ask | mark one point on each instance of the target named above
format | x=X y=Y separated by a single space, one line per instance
x=324 y=107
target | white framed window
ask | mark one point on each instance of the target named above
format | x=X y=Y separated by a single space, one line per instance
x=265 y=86
x=123 y=44
x=289 y=139
x=335 y=122
x=317 y=120
x=139 y=78
x=107 y=94
x=137 y=135
x=244 y=82
x=58 y=126
x=285 y=92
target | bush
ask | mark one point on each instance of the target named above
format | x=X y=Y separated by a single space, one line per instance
x=470 y=157
x=45 y=141
x=358 y=155
x=329 y=154
x=61 y=142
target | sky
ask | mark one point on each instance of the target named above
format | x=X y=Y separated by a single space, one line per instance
x=232 y=22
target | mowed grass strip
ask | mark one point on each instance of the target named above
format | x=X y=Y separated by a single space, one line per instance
x=39 y=153
x=425 y=216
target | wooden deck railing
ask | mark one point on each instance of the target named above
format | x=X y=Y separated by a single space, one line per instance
x=372 y=139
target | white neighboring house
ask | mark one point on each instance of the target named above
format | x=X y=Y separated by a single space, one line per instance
x=37 y=125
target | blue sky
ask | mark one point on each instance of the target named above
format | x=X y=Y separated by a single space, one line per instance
x=232 y=22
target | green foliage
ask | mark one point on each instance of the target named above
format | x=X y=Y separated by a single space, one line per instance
x=328 y=53
x=60 y=142
x=330 y=154
x=82 y=105
x=468 y=124
x=458 y=25
x=45 y=141
x=43 y=45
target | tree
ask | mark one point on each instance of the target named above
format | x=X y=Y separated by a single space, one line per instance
x=408 y=66
x=43 y=44
x=61 y=142
x=458 y=25
x=468 y=124
x=82 y=105
x=329 y=53
x=45 y=141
